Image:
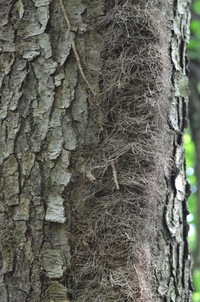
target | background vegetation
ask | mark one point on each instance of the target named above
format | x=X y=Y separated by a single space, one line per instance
x=191 y=147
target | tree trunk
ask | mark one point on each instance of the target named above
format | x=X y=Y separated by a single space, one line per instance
x=93 y=190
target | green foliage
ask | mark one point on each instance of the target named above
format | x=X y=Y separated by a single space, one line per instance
x=194 y=49
x=192 y=205
x=195 y=28
x=196 y=7
x=189 y=150
x=190 y=172
x=192 y=240
x=196 y=280
x=196 y=297
x=194 y=44
x=194 y=54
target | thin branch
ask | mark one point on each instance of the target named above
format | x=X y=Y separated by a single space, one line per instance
x=65 y=16
x=81 y=69
x=75 y=49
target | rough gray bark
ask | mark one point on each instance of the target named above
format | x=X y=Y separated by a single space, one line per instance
x=174 y=272
x=92 y=197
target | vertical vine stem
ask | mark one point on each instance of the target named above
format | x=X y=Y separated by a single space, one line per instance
x=74 y=48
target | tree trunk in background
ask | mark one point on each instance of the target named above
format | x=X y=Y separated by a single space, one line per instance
x=93 y=189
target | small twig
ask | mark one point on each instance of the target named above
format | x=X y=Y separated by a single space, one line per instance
x=74 y=48
x=115 y=175
x=81 y=69
x=66 y=17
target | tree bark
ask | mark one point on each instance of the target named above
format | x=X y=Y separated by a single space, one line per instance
x=93 y=190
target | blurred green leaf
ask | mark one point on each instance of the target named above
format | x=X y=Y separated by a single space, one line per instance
x=194 y=44
x=189 y=150
x=196 y=297
x=195 y=27
x=192 y=179
x=196 y=7
x=192 y=242
x=192 y=205
x=196 y=280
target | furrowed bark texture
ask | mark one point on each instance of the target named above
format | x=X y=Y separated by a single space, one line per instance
x=93 y=190
x=175 y=271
